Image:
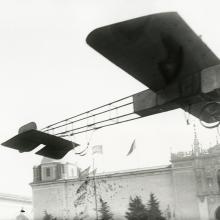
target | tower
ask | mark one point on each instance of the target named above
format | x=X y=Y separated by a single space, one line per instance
x=50 y=170
x=196 y=144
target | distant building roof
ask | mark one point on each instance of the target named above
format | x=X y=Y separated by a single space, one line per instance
x=47 y=160
x=136 y=171
x=154 y=169
x=214 y=149
x=18 y=198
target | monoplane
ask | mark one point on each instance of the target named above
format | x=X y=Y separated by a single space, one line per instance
x=162 y=52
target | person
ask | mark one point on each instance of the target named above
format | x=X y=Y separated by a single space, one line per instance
x=22 y=216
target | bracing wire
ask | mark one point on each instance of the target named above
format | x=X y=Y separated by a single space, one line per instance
x=49 y=127
x=103 y=126
x=84 y=152
x=85 y=118
x=115 y=112
x=102 y=121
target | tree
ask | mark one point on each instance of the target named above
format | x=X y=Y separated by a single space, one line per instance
x=136 y=210
x=105 y=211
x=153 y=209
x=47 y=216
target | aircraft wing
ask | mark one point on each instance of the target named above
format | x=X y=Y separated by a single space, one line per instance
x=156 y=49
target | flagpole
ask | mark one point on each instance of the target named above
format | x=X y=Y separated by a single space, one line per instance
x=95 y=195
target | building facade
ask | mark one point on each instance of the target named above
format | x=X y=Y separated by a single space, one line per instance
x=187 y=189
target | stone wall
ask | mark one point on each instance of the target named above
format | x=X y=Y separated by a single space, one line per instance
x=59 y=197
x=51 y=198
x=190 y=187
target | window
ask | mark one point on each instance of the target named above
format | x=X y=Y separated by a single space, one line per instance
x=62 y=169
x=47 y=172
x=209 y=182
x=218 y=178
x=217 y=214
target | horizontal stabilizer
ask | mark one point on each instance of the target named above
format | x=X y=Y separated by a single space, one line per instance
x=21 y=142
x=54 y=151
x=55 y=148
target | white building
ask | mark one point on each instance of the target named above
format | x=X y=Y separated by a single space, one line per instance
x=189 y=188
x=10 y=206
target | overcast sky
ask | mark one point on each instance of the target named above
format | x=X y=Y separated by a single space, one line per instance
x=48 y=73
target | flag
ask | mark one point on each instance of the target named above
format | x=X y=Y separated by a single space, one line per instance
x=80 y=199
x=93 y=172
x=84 y=173
x=132 y=148
x=83 y=186
x=97 y=149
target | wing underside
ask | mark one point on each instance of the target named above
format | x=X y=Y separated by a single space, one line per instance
x=55 y=147
x=156 y=49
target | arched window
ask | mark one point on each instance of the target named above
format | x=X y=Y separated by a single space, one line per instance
x=217 y=213
x=218 y=178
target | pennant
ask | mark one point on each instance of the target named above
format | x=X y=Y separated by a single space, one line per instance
x=93 y=172
x=84 y=173
x=97 y=149
x=132 y=148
